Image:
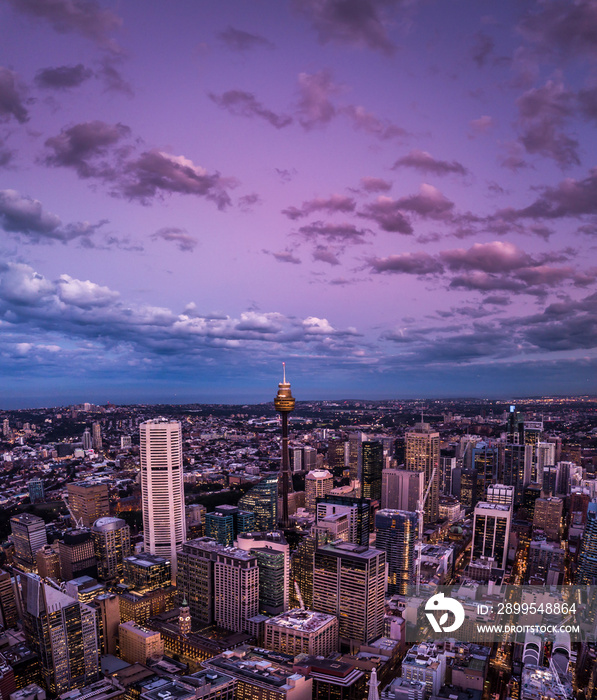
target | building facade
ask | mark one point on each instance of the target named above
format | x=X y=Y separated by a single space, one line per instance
x=63 y=633
x=162 y=492
x=349 y=582
x=88 y=501
x=422 y=455
x=28 y=536
x=112 y=544
x=396 y=536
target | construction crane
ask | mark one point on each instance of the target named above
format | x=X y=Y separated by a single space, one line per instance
x=421 y=511
x=78 y=522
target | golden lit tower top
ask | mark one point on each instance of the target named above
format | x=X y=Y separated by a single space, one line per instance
x=284 y=401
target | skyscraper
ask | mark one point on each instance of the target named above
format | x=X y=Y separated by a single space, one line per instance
x=587 y=560
x=274 y=542
x=62 y=632
x=371 y=468
x=355 y=455
x=8 y=603
x=97 y=436
x=358 y=511
x=226 y=522
x=28 y=535
x=36 y=490
x=284 y=403
x=485 y=462
x=262 y=500
x=301 y=573
x=396 y=536
x=112 y=544
x=318 y=483
x=401 y=489
x=221 y=584
x=349 y=582
x=87 y=440
x=162 y=492
x=422 y=454
x=89 y=501
x=491 y=532
x=77 y=555
x=548 y=516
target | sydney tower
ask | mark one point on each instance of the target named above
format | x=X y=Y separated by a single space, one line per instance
x=284 y=403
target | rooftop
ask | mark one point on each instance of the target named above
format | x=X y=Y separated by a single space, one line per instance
x=257 y=665
x=146 y=560
x=301 y=620
x=483 y=505
x=207 y=544
x=355 y=550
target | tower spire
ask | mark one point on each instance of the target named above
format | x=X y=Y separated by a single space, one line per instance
x=284 y=404
x=373 y=683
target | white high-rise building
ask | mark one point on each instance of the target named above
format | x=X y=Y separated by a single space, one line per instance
x=162 y=490
x=317 y=483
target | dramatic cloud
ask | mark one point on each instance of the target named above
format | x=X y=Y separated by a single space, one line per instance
x=184 y=241
x=571 y=198
x=81 y=146
x=22 y=215
x=387 y=213
x=155 y=173
x=93 y=149
x=84 y=310
x=361 y=23
x=237 y=40
x=365 y=121
x=337 y=203
x=315 y=107
x=425 y=163
x=429 y=202
x=498 y=256
x=11 y=97
x=63 y=77
x=245 y=104
x=483 y=282
x=375 y=184
x=326 y=255
x=84 y=294
x=543 y=112
x=83 y=17
x=562 y=27
x=407 y=263
x=568 y=325
x=487 y=267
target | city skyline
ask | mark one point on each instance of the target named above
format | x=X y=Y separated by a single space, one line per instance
x=398 y=199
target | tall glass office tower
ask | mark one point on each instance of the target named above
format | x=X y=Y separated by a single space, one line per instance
x=396 y=536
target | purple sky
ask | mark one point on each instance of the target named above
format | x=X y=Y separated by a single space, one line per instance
x=398 y=198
